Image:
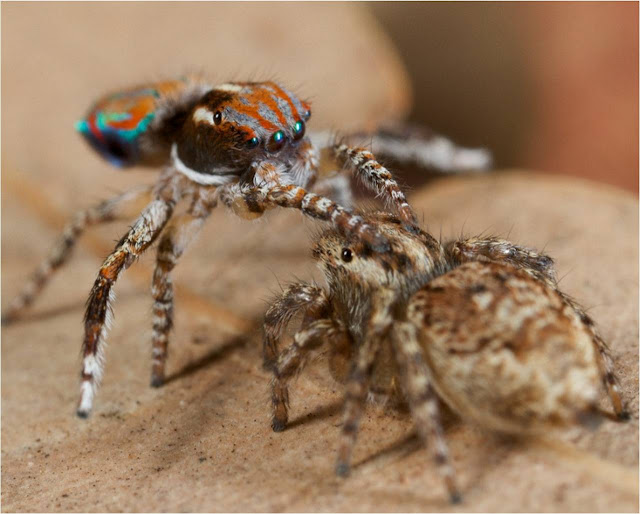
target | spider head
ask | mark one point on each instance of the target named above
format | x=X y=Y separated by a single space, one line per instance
x=413 y=258
x=237 y=124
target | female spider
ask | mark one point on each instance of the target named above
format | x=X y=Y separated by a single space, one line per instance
x=479 y=323
x=243 y=143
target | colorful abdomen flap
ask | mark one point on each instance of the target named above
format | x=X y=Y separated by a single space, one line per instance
x=116 y=125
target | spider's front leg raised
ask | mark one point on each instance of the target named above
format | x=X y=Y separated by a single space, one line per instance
x=117 y=207
x=249 y=201
x=176 y=237
x=377 y=178
x=98 y=314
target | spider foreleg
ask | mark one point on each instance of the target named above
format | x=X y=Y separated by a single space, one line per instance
x=357 y=385
x=423 y=401
x=296 y=298
x=376 y=177
x=98 y=314
x=117 y=207
x=178 y=235
x=290 y=362
x=247 y=198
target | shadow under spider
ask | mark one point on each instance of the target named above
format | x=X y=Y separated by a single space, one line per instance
x=218 y=353
x=322 y=412
x=58 y=310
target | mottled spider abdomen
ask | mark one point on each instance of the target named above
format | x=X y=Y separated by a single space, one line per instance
x=505 y=350
x=122 y=126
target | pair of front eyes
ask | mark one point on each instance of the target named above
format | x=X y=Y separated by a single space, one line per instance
x=277 y=140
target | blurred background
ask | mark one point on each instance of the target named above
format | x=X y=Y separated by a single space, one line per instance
x=550 y=86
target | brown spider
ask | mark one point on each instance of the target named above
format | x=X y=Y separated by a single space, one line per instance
x=241 y=143
x=479 y=323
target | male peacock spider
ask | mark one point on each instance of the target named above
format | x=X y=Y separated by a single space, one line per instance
x=240 y=143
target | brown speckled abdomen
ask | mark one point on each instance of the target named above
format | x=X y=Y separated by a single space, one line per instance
x=504 y=349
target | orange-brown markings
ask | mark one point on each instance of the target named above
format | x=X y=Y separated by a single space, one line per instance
x=263 y=96
x=252 y=112
x=281 y=94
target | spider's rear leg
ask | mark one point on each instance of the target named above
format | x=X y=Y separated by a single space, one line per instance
x=118 y=207
x=296 y=298
x=494 y=249
x=428 y=149
x=98 y=314
x=291 y=361
x=422 y=400
x=605 y=360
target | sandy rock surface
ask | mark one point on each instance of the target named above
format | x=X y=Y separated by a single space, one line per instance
x=203 y=442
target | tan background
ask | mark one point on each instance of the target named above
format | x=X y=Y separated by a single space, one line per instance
x=203 y=442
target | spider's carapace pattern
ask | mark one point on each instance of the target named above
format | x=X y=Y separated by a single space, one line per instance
x=241 y=143
x=479 y=323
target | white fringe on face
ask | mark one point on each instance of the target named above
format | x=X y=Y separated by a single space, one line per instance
x=200 y=178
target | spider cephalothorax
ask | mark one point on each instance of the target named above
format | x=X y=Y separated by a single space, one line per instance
x=479 y=323
x=241 y=143
x=236 y=125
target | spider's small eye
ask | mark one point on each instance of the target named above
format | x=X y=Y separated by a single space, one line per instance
x=298 y=129
x=276 y=141
x=346 y=255
x=253 y=142
x=307 y=114
x=217 y=118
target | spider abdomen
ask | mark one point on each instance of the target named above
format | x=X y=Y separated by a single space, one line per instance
x=129 y=127
x=504 y=349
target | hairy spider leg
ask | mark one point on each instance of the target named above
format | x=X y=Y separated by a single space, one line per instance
x=175 y=239
x=423 y=401
x=357 y=386
x=296 y=298
x=377 y=178
x=118 y=207
x=248 y=201
x=98 y=314
x=291 y=361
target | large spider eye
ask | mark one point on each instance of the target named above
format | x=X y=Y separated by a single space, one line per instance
x=217 y=118
x=346 y=255
x=298 y=129
x=276 y=141
x=253 y=142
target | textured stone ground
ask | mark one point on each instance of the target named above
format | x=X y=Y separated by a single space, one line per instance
x=203 y=442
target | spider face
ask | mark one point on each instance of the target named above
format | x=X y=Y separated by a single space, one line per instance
x=352 y=261
x=237 y=124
